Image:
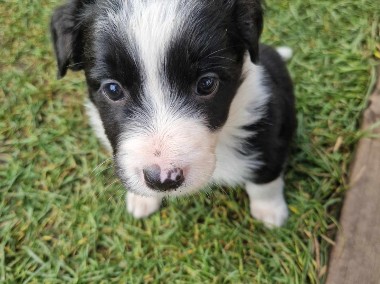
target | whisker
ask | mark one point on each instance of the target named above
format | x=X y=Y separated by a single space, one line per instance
x=74 y=64
x=215 y=52
x=213 y=67
x=223 y=57
x=101 y=164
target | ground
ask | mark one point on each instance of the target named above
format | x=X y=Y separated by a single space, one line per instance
x=355 y=256
x=62 y=213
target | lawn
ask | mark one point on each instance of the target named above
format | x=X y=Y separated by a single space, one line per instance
x=62 y=213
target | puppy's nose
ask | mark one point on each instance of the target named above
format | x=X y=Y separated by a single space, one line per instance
x=172 y=179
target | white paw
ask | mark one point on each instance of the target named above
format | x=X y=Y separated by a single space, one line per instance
x=142 y=206
x=273 y=213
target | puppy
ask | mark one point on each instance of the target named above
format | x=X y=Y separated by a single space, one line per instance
x=183 y=95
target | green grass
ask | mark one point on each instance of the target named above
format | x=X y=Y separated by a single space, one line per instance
x=61 y=221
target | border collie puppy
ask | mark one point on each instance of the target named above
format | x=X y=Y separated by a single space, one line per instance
x=183 y=95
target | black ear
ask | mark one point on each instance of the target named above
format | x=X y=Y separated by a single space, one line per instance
x=249 y=18
x=67 y=37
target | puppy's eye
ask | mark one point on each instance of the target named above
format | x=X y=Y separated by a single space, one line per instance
x=113 y=91
x=207 y=85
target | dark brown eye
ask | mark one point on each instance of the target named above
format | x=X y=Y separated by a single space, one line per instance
x=207 y=85
x=113 y=91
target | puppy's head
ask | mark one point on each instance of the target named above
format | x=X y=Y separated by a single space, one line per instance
x=162 y=75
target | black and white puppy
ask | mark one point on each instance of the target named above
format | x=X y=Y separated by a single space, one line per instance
x=183 y=95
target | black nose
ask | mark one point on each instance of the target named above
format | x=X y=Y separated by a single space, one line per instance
x=152 y=175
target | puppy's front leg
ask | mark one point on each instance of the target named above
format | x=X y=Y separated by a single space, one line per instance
x=267 y=202
x=142 y=206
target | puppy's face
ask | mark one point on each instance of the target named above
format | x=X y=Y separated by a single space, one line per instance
x=162 y=75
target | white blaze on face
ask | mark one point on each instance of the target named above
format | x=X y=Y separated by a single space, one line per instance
x=166 y=134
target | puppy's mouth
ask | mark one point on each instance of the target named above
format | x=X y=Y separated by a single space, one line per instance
x=175 y=173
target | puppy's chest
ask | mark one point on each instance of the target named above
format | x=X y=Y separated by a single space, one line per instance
x=233 y=165
x=236 y=161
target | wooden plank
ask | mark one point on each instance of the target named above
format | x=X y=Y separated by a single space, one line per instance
x=356 y=257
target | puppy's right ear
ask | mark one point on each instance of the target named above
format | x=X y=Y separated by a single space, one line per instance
x=67 y=37
x=249 y=19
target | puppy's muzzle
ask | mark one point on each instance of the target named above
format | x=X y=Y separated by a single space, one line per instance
x=166 y=180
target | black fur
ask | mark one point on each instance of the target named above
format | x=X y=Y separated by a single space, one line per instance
x=67 y=36
x=275 y=131
x=209 y=43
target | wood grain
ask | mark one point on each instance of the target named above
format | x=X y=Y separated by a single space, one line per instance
x=356 y=257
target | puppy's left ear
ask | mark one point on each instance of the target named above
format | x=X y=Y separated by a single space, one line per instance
x=249 y=18
x=67 y=33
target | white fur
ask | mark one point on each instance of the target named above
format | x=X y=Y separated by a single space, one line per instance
x=151 y=28
x=192 y=152
x=267 y=202
x=97 y=124
x=142 y=206
x=285 y=52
